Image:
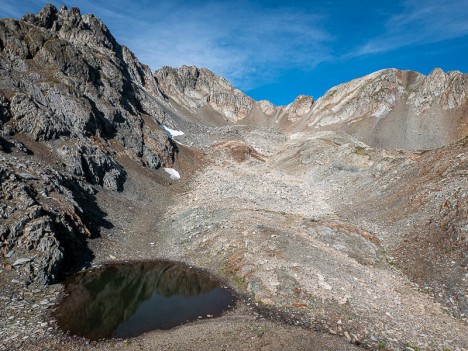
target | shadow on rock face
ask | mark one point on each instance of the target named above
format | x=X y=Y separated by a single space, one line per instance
x=45 y=222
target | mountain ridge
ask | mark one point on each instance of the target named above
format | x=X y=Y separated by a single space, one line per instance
x=341 y=213
x=366 y=102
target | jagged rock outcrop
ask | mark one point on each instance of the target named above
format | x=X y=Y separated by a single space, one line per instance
x=65 y=77
x=267 y=107
x=397 y=109
x=194 y=88
x=42 y=226
x=389 y=108
x=299 y=107
x=66 y=84
x=91 y=163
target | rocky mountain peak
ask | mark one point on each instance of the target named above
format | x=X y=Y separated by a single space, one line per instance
x=195 y=88
x=387 y=108
x=44 y=18
x=83 y=103
x=299 y=107
x=69 y=24
x=398 y=109
x=57 y=92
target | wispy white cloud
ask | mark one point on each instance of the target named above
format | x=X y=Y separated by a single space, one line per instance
x=10 y=10
x=97 y=8
x=257 y=42
x=16 y=9
x=420 y=22
x=239 y=40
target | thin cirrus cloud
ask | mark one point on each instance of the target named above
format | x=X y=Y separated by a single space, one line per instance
x=276 y=45
x=245 y=43
x=419 y=23
x=248 y=42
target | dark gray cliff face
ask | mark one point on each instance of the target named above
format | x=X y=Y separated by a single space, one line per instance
x=43 y=227
x=65 y=77
x=66 y=84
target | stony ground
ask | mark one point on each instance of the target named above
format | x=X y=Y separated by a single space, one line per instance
x=264 y=212
x=275 y=228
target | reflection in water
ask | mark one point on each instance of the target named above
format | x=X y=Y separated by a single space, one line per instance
x=126 y=300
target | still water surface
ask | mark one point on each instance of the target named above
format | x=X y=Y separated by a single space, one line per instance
x=126 y=300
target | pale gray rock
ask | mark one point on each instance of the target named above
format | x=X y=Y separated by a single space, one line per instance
x=396 y=109
x=301 y=106
x=195 y=88
x=27 y=176
x=267 y=107
x=21 y=261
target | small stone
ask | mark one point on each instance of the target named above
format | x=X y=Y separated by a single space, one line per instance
x=325 y=285
x=44 y=302
x=347 y=336
x=112 y=257
x=343 y=300
x=21 y=261
x=10 y=253
x=27 y=176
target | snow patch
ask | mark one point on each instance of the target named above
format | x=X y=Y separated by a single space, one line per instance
x=173 y=173
x=171 y=132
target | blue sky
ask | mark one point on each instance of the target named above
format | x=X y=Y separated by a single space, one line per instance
x=277 y=50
